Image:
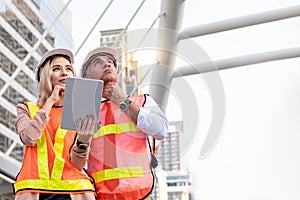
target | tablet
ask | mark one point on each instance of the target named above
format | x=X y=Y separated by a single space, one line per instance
x=82 y=97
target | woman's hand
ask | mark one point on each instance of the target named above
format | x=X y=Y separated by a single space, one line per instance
x=57 y=93
x=85 y=129
x=56 y=97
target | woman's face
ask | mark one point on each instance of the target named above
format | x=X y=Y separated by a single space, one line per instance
x=60 y=69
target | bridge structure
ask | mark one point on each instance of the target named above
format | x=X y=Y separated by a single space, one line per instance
x=171 y=34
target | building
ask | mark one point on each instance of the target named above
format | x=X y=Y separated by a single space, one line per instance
x=177 y=179
x=24 y=38
x=169 y=152
x=127 y=66
x=115 y=39
x=178 y=185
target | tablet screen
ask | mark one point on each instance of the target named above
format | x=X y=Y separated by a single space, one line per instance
x=82 y=97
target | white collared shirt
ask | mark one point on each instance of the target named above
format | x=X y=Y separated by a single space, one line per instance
x=152 y=120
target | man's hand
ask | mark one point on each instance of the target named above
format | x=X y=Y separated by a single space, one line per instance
x=114 y=93
x=86 y=129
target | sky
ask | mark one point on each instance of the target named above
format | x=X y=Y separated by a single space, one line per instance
x=257 y=156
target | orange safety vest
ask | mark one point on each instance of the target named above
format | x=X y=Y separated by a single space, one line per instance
x=46 y=166
x=133 y=156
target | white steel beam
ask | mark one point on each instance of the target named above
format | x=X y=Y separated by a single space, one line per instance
x=9 y=134
x=11 y=31
x=16 y=61
x=9 y=165
x=9 y=81
x=167 y=44
x=240 y=22
x=6 y=187
x=237 y=61
x=8 y=106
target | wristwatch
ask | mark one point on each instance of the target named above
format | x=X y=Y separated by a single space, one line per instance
x=82 y=145
x=124 y=105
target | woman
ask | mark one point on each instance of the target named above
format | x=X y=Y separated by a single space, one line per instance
x=53 y=157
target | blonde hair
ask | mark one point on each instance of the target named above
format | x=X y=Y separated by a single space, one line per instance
x=45 y=85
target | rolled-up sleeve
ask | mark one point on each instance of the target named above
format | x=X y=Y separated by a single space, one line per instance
x=30 y=130
x=79 y=157
x=152 y=120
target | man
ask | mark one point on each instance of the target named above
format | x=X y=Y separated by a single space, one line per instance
x=120 y=156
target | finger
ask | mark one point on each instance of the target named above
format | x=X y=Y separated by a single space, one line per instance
x=88 y=127
x=93 y=123
x=111 y=84
x=59 y=87
x=57 y=90
x=106 y=89
x=79 y=125
x=106 y=94
x=85 y=122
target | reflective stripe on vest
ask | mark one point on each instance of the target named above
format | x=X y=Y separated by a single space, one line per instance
x=125 y=172
x=116 y=129
x=58 y=185
x=53 y=182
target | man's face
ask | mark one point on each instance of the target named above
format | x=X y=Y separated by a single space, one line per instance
x=102 y=68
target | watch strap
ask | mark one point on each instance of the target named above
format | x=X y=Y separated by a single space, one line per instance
x=82 y=145
x=125 y=104
x=128 y=101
